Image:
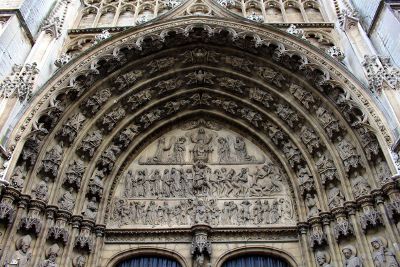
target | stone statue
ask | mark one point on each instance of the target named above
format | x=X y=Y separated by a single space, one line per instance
x=91 y=209
x=22 y=256
x=79 y=261
x=129 y=184
x=381 y=255
x=67 y=200
x=360 y=185
x=335 y=197
x=202 y=147
x=224 y=150
x=18 y=178
x=162 y=147
x=312 y=205
x=266 y=180
x=241 y=150
x=351 y=259
x=41 y=191
x=178 y=150
x=323 y=259
x=51 y=256
x=201 y=172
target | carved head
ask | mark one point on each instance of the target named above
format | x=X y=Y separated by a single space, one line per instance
x=321 y=258
x=24 y=243
x=377 y=243
x=349 y=251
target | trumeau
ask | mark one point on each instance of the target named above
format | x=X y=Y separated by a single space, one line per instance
x=200 y=131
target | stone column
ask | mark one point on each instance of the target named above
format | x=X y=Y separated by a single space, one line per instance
x=9 y=237
x=306 y=251
x=392 y=232
x=98 y=247
x=362 y=241
x=67 y=256
x=41 y=241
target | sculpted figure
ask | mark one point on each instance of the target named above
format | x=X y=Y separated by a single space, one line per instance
x=274 y=213
x=241 y=150
x=382 y=256
x=312 y=205
x=178 y=150
x=245 y=212
x=266 y=180
x=201 y=213
x=79 y=261
x=129 y=184
x=267 y=212
x=166 y=184
x=323 y=259
x=52 y=160
x=360 y=185
x=213 y=180
x=240 y=182
x=335 y=197
x=91 y=209
x=175 y=178
x=18 y=177
x=202 y=147
x=351 y=259
x=201 y=172
x=162 y=147
x=41 y=191
x=67 y=200
x=151 y=215
x=189 y=180
x=51 y=256
x=286 y=210
x=258 y=212
x=22 y=256
x=224 y=150
x=121 y=212
x=140 y=183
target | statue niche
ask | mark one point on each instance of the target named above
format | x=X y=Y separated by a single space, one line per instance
x=202 y=174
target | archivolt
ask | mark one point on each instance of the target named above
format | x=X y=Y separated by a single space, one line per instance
x=261 y=83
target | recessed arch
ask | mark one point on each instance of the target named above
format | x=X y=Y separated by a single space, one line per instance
x=148 y=251
x=257 y=250
x=287 y=61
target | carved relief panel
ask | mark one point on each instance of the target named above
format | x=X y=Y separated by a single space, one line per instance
x=201 y=173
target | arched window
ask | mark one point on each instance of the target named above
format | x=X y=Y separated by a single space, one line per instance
x=255 y=261
x=149 y=261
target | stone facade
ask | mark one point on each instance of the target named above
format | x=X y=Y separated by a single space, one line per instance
x=198 y=131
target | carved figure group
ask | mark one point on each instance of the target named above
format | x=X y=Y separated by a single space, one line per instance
x=202 y=180
x=201 y=145
x=198 y=211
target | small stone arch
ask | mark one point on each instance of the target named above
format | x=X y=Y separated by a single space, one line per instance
x=131 y=253
x=257 y=250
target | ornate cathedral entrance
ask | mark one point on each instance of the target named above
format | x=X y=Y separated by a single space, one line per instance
x=202 y=140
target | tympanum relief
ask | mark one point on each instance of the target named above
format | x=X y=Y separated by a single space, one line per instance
x=202 y=174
